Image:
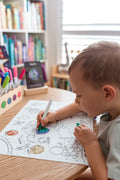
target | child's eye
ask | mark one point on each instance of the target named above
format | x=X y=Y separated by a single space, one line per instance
x=79 y=96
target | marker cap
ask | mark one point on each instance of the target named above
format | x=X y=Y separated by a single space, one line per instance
x=5 y=69
x=22 y=74
x=15 y=72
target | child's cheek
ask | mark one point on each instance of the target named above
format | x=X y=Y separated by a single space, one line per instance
x=84 y=106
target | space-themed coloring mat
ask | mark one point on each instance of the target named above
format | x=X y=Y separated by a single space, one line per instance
x=19 y=137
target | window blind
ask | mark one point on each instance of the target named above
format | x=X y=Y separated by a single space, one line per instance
x=88 y=21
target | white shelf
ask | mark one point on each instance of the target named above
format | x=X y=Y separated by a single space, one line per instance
x=21 y=31
x=12 y=31
x=21 y=65
x=36 y=31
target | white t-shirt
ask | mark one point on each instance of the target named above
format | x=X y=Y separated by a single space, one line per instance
x=109 y=139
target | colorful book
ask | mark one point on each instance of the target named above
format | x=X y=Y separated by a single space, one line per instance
x=4 y=55
x=44 y=25
x=11 y=51
x=16 y=19
x=9 y=16
x=24 y=53
x=21 y=17
x=41 y=15
x=5 y=37
x=44 y=72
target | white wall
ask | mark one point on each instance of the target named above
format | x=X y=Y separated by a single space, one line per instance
x=54 y=32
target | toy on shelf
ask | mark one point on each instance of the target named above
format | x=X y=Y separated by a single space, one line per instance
x=64 y=67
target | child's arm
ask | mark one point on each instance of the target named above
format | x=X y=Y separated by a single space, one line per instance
x=96 y=161
x=62 y=113
x=93 y=151
x=67 y=111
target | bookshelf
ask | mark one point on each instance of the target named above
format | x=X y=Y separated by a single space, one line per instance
x=30 y=33
x=59 y=80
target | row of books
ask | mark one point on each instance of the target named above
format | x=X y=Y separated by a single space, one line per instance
x=36 y=51
x=62 y=84
x=18 y=52
x=11 y=16
x=36 y=15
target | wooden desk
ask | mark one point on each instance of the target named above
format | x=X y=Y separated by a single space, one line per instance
x=20 y=168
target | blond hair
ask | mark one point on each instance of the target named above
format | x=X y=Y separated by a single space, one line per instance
x=99 y=63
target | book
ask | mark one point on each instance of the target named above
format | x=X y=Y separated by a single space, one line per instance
x=34 y=74
x=44 y=25
x=16 y=19
x=21 y=17
x=37 y=50
x=9 y=16
x=44 y=72
x=31 y=49
x=5 y=37
x=24 y=53
x=20 y=52
x=3 y=56
x=11 y=51
x=41 y=15
x=3 y=15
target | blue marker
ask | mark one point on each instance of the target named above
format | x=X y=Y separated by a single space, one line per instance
x=3 y=78
x=6 y=74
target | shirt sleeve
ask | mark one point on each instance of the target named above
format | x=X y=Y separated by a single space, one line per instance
x=113 y=159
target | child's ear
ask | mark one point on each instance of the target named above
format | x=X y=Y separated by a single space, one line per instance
x=109 y=92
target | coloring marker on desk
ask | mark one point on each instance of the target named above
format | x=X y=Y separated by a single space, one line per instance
x=43 y=130
x=47 y=109
x=0 y=81
x=5 y=69
x=20 y=77
x=15 y=72
x=3 y=78
x=7 y=88
x=4 y=85
x=6 y=74
x=11 y=85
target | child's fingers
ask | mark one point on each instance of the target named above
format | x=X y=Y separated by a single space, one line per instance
x=39 y=118
x=76 y=134
x=83 y=125
x=38 y=122
x=44 y=121
x=41 y=114
x=78 y=128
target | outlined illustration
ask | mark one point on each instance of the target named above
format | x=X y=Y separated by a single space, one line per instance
x=59 y=144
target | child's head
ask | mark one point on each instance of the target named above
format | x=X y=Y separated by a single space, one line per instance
x=99 y=63
x=95 y=77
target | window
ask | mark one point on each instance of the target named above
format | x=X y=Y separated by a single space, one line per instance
x=89 y=21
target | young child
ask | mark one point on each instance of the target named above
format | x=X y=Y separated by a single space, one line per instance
x=95 y=78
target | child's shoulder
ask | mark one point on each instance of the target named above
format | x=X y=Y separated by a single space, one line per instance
x=114 y=131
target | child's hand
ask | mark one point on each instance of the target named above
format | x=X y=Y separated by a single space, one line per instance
x=49 y=118
x=84 y=135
